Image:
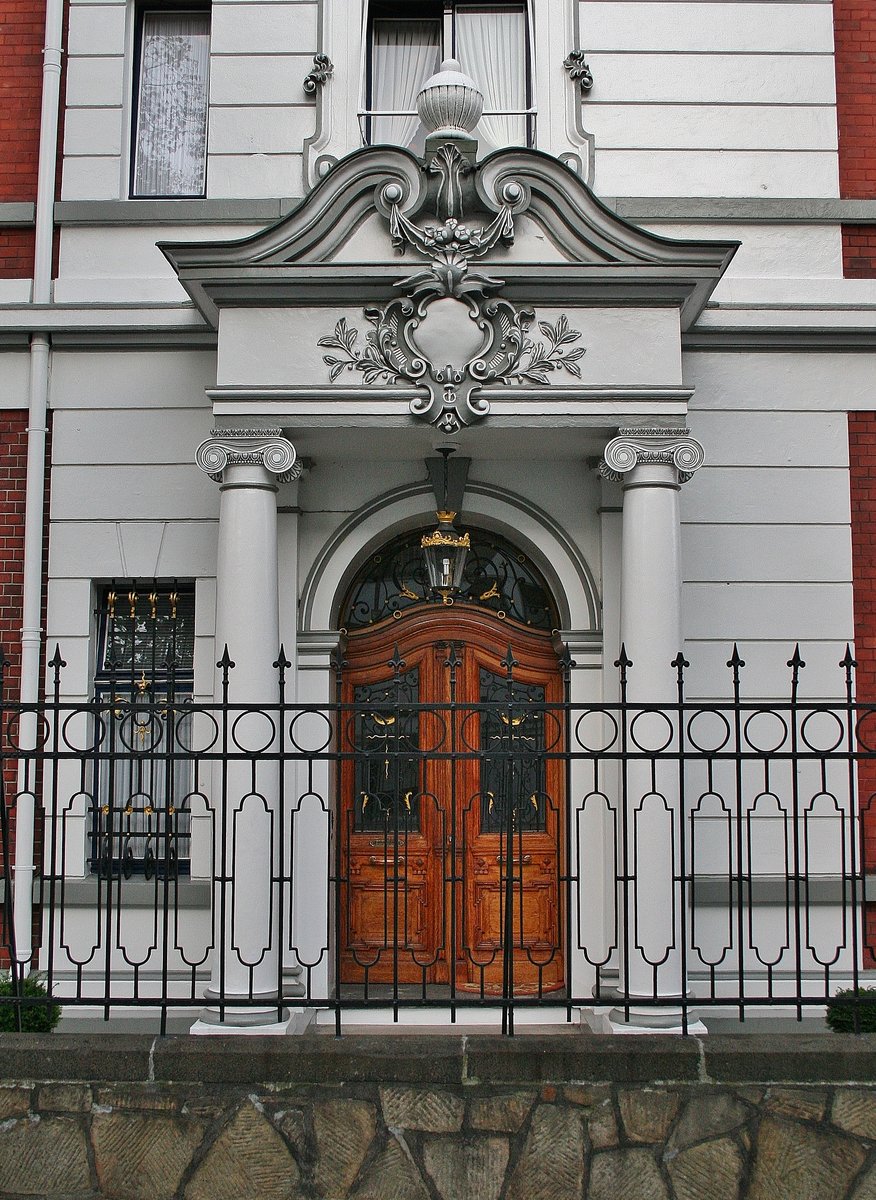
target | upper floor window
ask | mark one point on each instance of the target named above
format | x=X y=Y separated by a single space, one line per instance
x=406 y=43
x=170 y=110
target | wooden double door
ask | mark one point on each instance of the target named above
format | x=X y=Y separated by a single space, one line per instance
x=452 y=812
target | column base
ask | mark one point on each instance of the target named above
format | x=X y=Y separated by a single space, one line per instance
x=641 y=1018
x=295 y=1021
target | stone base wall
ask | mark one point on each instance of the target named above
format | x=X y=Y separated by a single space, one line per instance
x=409 y=1118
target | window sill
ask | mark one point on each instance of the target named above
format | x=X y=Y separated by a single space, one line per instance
x=136 y=892
x=171 y=212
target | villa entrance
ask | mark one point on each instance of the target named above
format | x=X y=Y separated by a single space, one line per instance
x=452 y=785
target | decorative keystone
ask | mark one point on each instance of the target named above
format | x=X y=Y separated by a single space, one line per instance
x=249 y=447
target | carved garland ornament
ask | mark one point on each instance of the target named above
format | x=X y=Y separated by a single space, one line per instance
x=395 y=350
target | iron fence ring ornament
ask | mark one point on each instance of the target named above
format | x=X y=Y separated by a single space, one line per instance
x=139 y=732
x=649 y=722
x=41 y=723
x=752 y=732
x=865 y=730
x=246 y=735
x=184 y=725
x=588 y=744
x=305 y=723
x=700 y=739
x=817 y=722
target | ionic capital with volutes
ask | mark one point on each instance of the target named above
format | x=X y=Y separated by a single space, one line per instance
x=651 y=447
x=265 y=448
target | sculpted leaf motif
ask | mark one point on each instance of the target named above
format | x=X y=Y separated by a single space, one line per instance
x=374 y=360
x=537 y=359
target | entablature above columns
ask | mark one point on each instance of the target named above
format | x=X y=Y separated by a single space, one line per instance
x=523 y=296
x=588 y=407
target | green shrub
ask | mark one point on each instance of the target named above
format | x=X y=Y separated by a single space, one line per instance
x=862 y=1003
x=35 y=1018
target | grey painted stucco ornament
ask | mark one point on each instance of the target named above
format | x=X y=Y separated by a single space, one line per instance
x=449 y=103
x=448 y=333
x=319 y=75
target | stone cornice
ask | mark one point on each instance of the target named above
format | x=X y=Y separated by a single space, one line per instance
x=605 y=257
x=249 y=447
x=640 y=447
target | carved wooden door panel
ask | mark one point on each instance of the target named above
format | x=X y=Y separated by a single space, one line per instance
x=452 y=806
x=511 y=818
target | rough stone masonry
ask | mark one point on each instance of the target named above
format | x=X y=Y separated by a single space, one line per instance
x=438 y=1118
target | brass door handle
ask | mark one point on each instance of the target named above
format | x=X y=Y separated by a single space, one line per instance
x=527 y=858
x=376 y=861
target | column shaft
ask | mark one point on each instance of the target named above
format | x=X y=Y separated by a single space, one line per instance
x=651 y=466
x=246 y=785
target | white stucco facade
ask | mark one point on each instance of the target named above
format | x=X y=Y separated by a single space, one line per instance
x=710 y=127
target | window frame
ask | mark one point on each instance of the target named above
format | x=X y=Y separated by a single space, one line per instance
x=115 y=692
x=141 y=12
x=444 y=13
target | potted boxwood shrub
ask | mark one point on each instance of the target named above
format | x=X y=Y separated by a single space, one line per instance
x=841 y=1017
x=35 y=1018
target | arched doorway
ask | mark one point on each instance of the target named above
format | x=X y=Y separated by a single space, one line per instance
x=452 y=822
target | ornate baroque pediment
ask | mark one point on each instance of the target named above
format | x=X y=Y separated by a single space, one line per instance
x=463 y=317
x=448 y=331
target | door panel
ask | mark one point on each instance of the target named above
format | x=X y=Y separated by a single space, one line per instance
x=452 y=821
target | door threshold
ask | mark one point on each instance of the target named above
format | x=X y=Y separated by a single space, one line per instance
x=468 y=1020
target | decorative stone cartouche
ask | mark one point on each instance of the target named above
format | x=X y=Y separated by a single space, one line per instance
x=450 y=103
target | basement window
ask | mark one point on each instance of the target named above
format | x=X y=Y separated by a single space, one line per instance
x=143 y=775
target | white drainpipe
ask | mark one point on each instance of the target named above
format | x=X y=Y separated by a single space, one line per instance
x=31 y=632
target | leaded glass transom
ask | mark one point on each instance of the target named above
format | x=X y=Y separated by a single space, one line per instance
x=497 y=576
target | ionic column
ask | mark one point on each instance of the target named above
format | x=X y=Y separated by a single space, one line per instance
x=651 y=465
x=247 y=464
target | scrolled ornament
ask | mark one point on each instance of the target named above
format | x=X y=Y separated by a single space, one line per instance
x=278 y=456
x=688 y=456
x=247 y=447
x=212 y=456
x=637 y=447
x=620 y=455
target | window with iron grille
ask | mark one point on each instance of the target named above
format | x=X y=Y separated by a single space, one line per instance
x=142 y=691
x=406 y=44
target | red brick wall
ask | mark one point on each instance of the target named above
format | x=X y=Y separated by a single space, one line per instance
x=13 y=475
x=16 y=253
x=862 y=484
x=854 y=23
x=859 y=249
x=22 y=32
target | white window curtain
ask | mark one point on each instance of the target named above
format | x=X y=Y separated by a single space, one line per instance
x=404 y=55
x=491 y=48
x=171 y=137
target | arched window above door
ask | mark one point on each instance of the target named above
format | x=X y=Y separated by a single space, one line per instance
x=498 y=577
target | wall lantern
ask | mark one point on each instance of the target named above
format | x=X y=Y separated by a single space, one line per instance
x=445 y=548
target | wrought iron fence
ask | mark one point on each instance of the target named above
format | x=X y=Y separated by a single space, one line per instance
x=491 y=851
